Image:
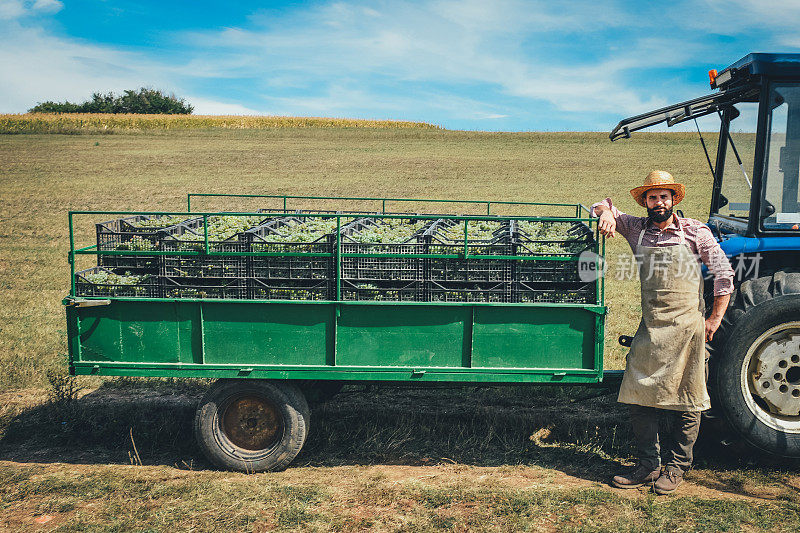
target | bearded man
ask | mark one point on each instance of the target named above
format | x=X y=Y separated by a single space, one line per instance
x=665 y=380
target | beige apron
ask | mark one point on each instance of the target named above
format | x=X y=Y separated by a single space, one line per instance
x=666 y=364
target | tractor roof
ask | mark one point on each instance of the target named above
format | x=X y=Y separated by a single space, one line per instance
x=737 y=83
x=770 y=65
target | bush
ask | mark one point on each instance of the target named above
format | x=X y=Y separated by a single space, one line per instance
x=143 y=101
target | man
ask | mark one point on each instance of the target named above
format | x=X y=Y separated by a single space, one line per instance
x=664 y=382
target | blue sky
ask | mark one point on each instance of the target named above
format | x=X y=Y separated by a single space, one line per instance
x=502 y=65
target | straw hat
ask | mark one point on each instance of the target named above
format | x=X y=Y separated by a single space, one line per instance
x=658 y=179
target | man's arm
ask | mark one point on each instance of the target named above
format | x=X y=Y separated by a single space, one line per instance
x=715 y=318
x=717 y=262
x=612 y=220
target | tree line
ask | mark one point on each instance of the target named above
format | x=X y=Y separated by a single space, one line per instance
x=142 y=101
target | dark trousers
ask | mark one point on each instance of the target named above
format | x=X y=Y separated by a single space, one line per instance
x=660 y=430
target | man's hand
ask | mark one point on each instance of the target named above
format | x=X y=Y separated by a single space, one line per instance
x=712 y=325
x=607 y=224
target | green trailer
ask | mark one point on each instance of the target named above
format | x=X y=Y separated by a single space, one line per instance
x=268 y=355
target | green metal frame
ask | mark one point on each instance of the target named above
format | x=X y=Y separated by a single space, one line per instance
x=285 y=198
x=338 y=340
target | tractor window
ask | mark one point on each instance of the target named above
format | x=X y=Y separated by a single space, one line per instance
x=737 y=178
x=781 y=209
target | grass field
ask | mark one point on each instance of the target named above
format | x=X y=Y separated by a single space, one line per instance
x=467 y=459
x=43 y=176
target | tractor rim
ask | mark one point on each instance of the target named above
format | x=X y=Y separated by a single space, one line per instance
x=770 y=377
x=252 y=423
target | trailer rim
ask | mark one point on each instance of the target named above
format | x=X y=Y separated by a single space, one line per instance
x=251 y=423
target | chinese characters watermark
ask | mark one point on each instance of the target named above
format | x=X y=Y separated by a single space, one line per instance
x=629 y=266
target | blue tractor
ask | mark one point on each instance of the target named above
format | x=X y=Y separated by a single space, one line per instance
x=754 y=364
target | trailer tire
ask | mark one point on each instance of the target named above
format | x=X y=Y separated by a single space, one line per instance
x=757 y=400
x=252 y=425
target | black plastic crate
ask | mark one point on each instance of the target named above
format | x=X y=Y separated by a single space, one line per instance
x=356 y=240
x=127 y=234
x=227 y=288
x=99 y=281
x=189 y=237
x=383 y=268
x=399 y=291
x=539 y=270
x=576 y=292
x=459 y=291
x=551 y=238
x=364 y=236
x=290 y=289
x=259 y=239
x=449 y=233
x=472 y=269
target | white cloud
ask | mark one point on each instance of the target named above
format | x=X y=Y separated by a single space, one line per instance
x=48 y=6
x=11 y=9
x=16 y=9
x=444 y=42
x=38 y=67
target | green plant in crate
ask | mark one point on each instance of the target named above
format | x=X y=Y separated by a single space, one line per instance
x=550 y=237
x=477 y=230
x=287 y=294
x=107 y=283
x=388 y=231
x=368 y=291
x=137 y=243
x=162 y=221
x=305 y=230
x=221 y=228
x=552 y=297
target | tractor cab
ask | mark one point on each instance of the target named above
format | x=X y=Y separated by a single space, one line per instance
x=757 y=164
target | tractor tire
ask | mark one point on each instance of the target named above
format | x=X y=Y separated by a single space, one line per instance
x=755 y=364
x=252 y=425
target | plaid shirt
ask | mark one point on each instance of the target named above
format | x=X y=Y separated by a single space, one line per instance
x=698 y=237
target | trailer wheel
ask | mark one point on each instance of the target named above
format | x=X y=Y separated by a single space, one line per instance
x=756 y=364
x=252 y=425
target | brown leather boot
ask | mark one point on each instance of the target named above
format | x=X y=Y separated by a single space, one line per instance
x=669 y=480
x=637 y=477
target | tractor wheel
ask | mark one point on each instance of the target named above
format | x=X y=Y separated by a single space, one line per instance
x=252 y=425
x=755 y=364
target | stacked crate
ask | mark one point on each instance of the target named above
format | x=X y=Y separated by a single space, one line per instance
x=288 y=276
x=280 y=256
x=139 y=232
x=542 y=280
x=473 y=279
x=381 y=275
x=100 y=281
x=206 y=276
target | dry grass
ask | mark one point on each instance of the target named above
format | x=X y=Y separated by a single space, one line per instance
x=90 y=123
x=44 y=176
x=100 y=500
